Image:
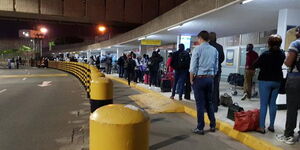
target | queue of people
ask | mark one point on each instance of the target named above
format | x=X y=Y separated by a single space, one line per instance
x=201 y=71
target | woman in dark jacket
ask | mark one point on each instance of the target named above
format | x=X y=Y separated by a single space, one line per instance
x=130 y=65
x=270 y=76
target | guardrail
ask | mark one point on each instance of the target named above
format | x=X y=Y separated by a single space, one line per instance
x=112 y=127
x=99 y=89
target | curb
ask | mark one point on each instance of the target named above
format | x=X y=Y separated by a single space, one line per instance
x=244 y=138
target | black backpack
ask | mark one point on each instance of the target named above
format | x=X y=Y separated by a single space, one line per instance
x=182 y=61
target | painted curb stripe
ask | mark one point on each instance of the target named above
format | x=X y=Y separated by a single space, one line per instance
x=244 y=138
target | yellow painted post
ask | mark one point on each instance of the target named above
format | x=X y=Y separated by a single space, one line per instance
x=101 y=92
x=119 y=127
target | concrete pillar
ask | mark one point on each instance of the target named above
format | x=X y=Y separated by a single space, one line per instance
x=178 y=42
x=143 y=50
x=119 y=52
x=88 y=54
x=287 y=19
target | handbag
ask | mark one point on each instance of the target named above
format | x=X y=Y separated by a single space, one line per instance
x=226 y=100
x=246 y=120
x=232 y=109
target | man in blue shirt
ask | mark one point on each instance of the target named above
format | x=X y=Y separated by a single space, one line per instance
x=292 y=91
x=203 y=68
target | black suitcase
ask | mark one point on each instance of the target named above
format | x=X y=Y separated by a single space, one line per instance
x=165 y=85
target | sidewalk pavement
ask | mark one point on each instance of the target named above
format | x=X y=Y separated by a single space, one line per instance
x=247 y=105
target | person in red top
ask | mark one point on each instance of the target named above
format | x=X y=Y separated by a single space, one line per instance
x=251 y=58
x=168 y=63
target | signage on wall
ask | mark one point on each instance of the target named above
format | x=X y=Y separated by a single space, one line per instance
x=151 y=42
x=186 y=40
x=230 y=57
x=290 y=36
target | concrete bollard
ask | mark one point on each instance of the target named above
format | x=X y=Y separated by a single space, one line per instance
x=119 y=127
x=101 y=92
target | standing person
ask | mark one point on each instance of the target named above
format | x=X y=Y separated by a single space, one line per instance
x=108 y=63
x=130 y=65
x=91 y=60
x=216 y=92
x=121 y=63
x=180 y=62
x=18 y=62
x=270 y=76
x=188 y=86
x=153 y=65
x=251 y=58
x=137 y=71
x=98 y=62
x=203 y=68
x=168 y=63
x=292 y=91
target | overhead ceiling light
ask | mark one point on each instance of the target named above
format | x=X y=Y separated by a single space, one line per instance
x=246 y=1
x=174 y=27
x=141 y=38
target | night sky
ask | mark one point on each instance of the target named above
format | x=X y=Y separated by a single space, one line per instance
x=9 y=29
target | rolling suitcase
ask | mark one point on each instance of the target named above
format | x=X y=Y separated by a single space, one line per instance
x=165 y=85
x=146 y=78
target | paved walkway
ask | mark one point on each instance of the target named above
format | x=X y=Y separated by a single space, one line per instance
x=247 y=105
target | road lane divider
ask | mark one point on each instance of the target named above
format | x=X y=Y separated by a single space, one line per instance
x=119 y=127
x=98 y=88
x=2 y=91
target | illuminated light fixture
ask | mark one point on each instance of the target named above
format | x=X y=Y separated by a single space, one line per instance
x=109 y=47
x=246 y=1
x=44 y=30
x=141 y=38
x=173 y=28
x=26 y=34
x=101 y=28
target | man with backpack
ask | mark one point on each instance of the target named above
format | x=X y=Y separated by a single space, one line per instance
x=180 y=62
x=292 y=91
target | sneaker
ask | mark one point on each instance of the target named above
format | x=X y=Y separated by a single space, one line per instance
x=198 y=131
x=288 y=140
x=244 y=96
x=172 y=97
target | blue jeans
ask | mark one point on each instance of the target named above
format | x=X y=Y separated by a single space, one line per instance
x=180 y=79
x=203 y=90
x=268 y=91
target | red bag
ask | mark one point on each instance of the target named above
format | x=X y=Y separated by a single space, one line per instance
x=146 y=78
x=246 y=120
x=170 y=76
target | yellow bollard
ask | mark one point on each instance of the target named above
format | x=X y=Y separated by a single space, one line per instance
x=119 y=127
x=101 y=92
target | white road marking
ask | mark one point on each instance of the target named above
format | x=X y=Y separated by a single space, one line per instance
x=45 y=83
x=3 y=91
x=24 y=79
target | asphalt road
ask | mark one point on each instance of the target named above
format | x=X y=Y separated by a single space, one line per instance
x=55 y=117
x=41 y=118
